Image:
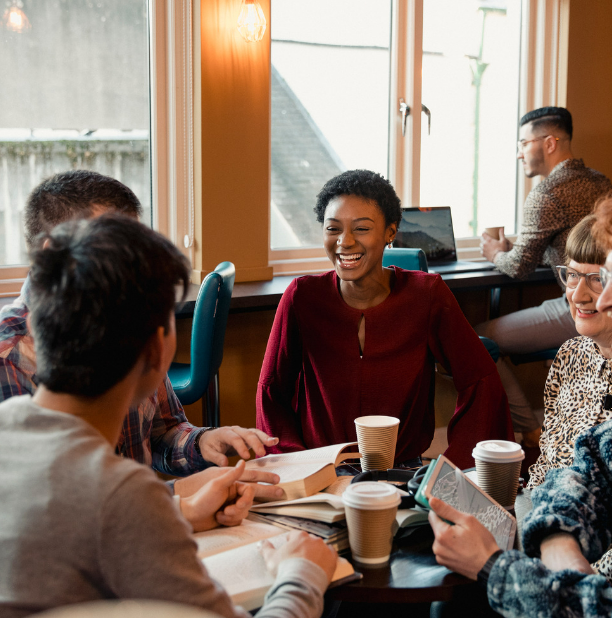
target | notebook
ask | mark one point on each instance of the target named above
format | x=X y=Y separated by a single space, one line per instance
x=431 y=229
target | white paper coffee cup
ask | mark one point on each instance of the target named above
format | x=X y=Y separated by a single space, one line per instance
x=377 y=437
x=498 y=466
x=370 y=515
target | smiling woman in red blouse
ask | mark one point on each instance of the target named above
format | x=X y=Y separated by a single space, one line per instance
x=363 y=339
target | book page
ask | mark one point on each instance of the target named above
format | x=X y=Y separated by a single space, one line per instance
x=337 y=487
x=219 y=540
x=288 y=472
x=452 y=486
x=318 y=498
x=411 y=517
x=243 y=572
x=325 y=454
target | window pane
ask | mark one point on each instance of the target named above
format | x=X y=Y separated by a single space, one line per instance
x=330 y=93
x=471 y=59
x=75 y=94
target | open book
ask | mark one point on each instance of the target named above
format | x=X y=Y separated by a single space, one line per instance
x=232 y=557
x=320 y=507
x=304 y=473
x=409 y=518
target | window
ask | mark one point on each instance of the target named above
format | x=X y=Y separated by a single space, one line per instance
x=470 y=89
x=75 y=95
x=330 y=104
x=339 y=72
x=105 y=85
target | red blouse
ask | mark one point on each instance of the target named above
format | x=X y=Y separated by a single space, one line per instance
x=314 y=382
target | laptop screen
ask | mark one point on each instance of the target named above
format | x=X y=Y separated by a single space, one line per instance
x=430 y=229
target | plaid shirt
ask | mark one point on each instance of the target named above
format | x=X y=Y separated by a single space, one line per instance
x=156 y=433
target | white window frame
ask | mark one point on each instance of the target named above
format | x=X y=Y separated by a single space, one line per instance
x=175 y=127
x=175 y=119
x=544 y=48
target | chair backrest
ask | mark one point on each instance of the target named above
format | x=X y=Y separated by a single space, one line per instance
x=415 y=259
x=409 y=259
x=209 y=323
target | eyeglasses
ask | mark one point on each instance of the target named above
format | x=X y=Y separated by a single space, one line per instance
x=571 y=278
x=605 y=276
x=520 y=145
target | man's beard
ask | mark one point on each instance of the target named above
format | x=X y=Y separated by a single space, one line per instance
x=535 y=165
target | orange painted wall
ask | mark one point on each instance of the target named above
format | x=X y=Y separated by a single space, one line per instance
x=589 y=81
x=235 y=143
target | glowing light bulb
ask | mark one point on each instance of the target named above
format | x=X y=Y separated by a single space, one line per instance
x=251 y=21
x=15 y=19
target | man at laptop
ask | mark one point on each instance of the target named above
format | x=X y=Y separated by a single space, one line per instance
x=566 y=194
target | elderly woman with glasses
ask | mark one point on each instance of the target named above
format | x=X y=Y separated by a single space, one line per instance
x=581 y=374
x=571 y=522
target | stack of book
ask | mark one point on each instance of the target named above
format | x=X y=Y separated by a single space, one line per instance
x=303 y=475
x=320 y=513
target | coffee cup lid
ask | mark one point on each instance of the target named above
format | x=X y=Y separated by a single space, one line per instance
x=371 y=496
x=376 y=421
x=498 y=451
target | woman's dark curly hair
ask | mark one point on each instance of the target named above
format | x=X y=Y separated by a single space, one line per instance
x=366 y=184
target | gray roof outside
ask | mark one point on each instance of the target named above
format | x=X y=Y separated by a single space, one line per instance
x=302 y=161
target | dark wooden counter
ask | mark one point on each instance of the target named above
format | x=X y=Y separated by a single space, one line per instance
x=262 y=295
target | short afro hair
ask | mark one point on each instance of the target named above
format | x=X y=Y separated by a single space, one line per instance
x=364 y=183
x=550 y=118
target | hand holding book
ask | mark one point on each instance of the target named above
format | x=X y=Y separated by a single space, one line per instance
x=301 y=545
x=463 y=545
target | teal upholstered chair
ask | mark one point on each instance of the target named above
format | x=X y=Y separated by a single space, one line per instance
x=200 y=377
x=409 y=259
x=415 y=259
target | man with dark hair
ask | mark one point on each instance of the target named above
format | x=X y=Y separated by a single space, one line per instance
x=78 y=523
x=567 y=193
x=75 y=194
x=156 y=433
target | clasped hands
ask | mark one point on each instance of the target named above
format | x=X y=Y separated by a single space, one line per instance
x=466 y=546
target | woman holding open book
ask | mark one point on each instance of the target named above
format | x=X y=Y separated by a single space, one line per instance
x=363 y=339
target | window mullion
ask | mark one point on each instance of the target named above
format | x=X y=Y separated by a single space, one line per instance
x=406 y=63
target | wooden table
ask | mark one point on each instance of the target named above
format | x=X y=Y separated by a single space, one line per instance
x=412 y=576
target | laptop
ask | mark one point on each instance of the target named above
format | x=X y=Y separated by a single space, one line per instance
x=431 y=229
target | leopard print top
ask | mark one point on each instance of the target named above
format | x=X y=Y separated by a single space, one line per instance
x=577 y=382
x=552 y=209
